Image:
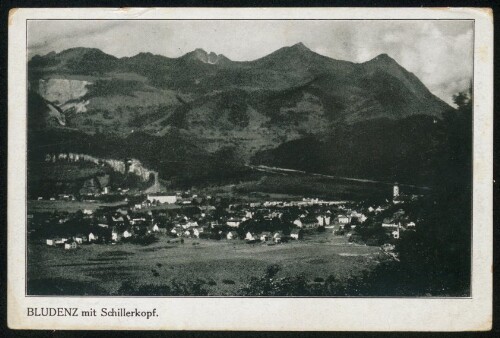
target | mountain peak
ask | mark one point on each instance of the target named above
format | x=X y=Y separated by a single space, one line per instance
x=83 y=51
x=200 y=54
x=298 y=50
x=382 y=58
x=300 y=46
x=82 y=58
x=200 y=51
x=384 y=61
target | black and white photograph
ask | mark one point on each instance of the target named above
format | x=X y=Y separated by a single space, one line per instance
x=252 y=158
x=225 y=158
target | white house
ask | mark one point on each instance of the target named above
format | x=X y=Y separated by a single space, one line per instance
x=321 y=220
x=78 y=240
x=163 y=199
x=92 y=237
x=343 y=219
x=191 y=224
x=356 y=214
x=389 y=223
x=127 y=234
x=298 y=223
x=59 y=241
x=296 y=234
x=277 y=237
x=232 y=235
x=87 y=212
x=250 y=237
x=265 y=236
x=134 y=220
x=233 y=222
x=70 y=245
x=50 y=242
x=155 y=228
x=196 y=232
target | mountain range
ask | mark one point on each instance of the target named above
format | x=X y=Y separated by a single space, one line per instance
x=262 y=111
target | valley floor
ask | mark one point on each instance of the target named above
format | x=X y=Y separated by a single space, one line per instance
x=227 y=265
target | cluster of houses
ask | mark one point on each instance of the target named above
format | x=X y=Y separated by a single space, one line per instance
x=265 y=236
x=207 y=218
x=73 y=242
x=253 y=223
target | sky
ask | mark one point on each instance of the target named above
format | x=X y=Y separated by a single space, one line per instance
x=439 y=53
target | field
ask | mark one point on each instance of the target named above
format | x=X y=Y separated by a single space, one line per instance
x=276 y=183
x=35 y=206
x=227 y=264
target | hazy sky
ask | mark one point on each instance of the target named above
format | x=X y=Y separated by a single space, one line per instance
x=438 y=52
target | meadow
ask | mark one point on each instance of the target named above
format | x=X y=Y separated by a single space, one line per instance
x=35 y=206
x=223 y=266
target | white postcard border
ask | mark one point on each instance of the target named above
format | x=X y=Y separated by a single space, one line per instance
x=207 y=313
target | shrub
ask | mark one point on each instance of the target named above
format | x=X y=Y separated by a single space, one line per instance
x=144 y=240
x=175 y=288
x=272 y=270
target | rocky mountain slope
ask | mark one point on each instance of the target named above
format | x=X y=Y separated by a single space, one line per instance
x=212 y=105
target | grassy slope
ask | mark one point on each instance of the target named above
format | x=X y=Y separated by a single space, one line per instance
x=251 y=105
x=320 y=255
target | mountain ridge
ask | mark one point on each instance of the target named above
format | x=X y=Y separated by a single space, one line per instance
x=251 y=106
x=298 y=47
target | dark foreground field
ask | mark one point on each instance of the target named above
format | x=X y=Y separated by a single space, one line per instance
x=224 y=267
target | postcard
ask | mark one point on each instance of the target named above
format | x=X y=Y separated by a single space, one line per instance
x=298 y=169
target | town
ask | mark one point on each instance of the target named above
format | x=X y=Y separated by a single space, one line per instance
x=114 y=227
x=142 y=216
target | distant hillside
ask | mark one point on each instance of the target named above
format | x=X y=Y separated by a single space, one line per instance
x=251 y=105
x=176 y=114
x=408 y=150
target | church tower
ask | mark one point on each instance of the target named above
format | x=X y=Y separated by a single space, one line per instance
x=395 y=190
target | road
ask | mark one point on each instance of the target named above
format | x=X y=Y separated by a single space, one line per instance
x=276 y=170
